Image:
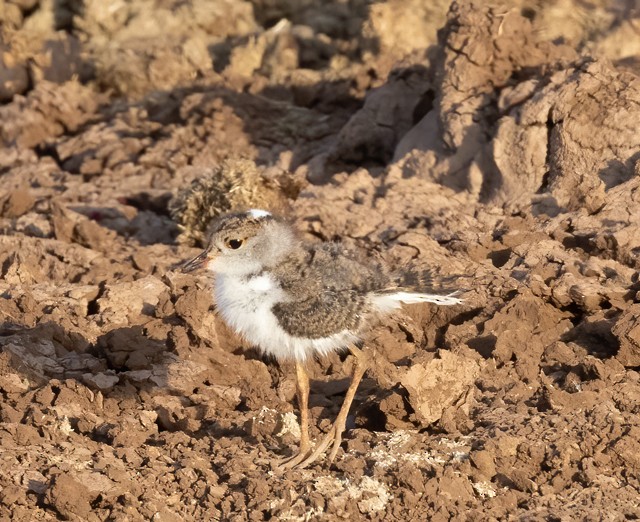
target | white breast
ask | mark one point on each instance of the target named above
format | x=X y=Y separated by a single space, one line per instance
x=246 y=305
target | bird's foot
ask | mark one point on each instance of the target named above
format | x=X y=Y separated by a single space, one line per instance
x=305 y=458
x=292 y=462
x=332 y=438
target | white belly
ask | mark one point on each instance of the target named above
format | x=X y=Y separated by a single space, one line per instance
x=246 y=307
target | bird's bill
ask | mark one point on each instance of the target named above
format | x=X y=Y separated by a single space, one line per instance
x=197 y=262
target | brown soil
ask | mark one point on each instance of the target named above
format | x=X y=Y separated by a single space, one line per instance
x=500 y=143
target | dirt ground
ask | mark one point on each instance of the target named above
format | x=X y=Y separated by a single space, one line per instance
x=498 y=142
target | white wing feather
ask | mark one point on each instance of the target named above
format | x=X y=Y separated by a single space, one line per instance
x=386 y=302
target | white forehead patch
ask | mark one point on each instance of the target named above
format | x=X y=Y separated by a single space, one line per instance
x=257 y=213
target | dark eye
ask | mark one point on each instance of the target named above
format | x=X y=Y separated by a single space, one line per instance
x=234 y=244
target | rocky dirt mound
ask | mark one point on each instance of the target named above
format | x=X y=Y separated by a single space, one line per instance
x=499 y=143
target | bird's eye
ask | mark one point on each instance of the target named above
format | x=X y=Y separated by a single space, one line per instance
x=234 y=244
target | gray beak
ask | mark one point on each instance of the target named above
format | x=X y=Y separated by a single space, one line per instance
x=197 y=262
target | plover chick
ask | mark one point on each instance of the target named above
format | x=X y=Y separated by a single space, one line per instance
x=296 y=300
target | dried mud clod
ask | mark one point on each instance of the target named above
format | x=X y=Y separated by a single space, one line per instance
x=234 y=184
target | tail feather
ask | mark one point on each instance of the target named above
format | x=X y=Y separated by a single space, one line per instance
x=392 y=300
x=412 y=285
x=411 y=298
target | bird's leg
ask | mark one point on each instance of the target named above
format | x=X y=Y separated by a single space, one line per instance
x=335 y=433
x=303 y=405
x=302 y=380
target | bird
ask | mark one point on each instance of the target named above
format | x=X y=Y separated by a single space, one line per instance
x=298 y=300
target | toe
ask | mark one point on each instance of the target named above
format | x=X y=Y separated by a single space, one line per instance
x=292 y=462
x=336 y=446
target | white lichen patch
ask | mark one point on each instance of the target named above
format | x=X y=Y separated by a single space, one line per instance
x=399 y=438
x=263 y=414
x=392 y=449
x=370 y=494
x=424 y=457
x=484 y=489
x=382 y=458
x=459 y=456
x=64 y=425
x=288 y=425
x=377 y=500
x=330 y=486
x=457 y=443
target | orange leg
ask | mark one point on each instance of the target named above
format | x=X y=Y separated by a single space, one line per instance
x=303 y=404
x=302 y=379
x=334 y=436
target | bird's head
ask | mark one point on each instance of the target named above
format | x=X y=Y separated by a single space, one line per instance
x=244 y=243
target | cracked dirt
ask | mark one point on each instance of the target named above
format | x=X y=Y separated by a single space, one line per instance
x=495 y=142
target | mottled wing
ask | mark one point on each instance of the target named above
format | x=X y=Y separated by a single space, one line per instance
x=328 y=286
